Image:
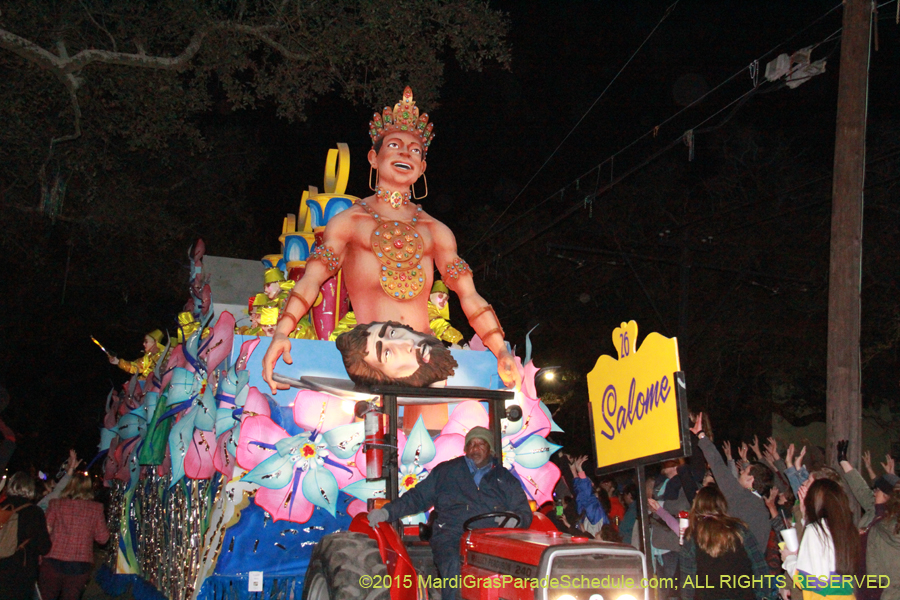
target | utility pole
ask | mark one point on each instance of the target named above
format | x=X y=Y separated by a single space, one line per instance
x=843 y=400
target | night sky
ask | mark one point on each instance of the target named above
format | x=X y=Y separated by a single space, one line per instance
x=494 y=131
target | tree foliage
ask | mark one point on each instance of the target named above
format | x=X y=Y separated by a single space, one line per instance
x=132 y=128
x=83 y=75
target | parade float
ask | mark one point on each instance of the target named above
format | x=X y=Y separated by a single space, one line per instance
x=220 y=487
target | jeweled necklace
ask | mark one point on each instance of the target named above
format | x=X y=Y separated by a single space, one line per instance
x=399 y=248
x=395 y=199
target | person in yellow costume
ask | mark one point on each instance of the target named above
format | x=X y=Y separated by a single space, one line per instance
x=187 y=325
x=254 y=306
x=268 y=318
x=277 y=288
x=153 y=346
x=347 y=322
x=439 y=314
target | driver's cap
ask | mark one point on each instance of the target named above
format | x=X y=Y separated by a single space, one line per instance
x=481 y=433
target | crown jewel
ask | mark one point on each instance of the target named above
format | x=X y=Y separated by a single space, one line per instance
x=404 y=117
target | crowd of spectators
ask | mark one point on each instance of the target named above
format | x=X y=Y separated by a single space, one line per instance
x=47 y=538
x=779 y=517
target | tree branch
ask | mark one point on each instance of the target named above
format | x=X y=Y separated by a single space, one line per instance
x=65 y=67
x=100 y=27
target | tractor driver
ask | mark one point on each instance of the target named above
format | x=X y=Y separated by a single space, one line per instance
x=460 y=489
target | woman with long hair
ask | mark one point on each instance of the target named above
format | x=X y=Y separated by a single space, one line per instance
x=76 y=521
x=717 y=546
x=830 y=544
x=19 y=571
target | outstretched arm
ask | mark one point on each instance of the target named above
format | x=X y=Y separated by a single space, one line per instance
x=323 y=263
x=457 y=275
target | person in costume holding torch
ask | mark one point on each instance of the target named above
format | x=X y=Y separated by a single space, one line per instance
x=153 y=347
x=388 y=248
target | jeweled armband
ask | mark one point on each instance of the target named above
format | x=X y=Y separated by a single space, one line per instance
x=327 y=255
x=457 y=268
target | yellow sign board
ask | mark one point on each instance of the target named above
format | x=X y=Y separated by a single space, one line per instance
x=633 y=400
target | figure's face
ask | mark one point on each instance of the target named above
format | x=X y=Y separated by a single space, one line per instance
x=669 y=472
x=478 y=451
x=439 y=299
x=400 y=161
x=272 y=290
x=149 y=344
x=254 y=319
x=395 y=351
x=880 y=497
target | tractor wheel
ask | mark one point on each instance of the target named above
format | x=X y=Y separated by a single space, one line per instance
x=338 y=562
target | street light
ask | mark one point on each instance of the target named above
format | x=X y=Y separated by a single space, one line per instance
x=548 y=373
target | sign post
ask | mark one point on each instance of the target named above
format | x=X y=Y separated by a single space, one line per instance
x=638 y=410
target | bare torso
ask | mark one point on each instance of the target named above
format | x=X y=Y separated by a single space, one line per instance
x=362 y=269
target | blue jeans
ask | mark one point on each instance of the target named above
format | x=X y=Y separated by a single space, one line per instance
x=446 y=559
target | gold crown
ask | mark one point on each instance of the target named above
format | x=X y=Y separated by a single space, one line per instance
x=404 y=117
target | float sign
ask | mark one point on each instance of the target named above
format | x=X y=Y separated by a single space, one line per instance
x=638 y=405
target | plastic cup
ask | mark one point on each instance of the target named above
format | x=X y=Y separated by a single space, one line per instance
x=682 y=527
x=789 y=536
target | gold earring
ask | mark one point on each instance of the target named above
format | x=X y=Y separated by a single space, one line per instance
x=425 y=179
x=372 y=168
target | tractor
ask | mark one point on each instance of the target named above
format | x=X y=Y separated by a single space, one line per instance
x=394 y=561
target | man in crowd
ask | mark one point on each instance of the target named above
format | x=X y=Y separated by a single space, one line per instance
x=744 y=494
x=458 y=490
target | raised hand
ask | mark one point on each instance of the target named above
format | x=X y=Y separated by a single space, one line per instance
x=726 y=447
x=867 y=461
x=772 y=448
x=697 y=427
x=742 y=451
x=755 y=447
x=888 y=464
x=801 y=494
x=798 y=462
x=842 y=447
x=73 y=462
x=577 y=465
x=789 y=455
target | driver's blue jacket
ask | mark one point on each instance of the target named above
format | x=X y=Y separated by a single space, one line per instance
x=450 y=488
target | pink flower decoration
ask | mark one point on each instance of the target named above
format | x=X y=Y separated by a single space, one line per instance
x=315 y=411
x=538 y=483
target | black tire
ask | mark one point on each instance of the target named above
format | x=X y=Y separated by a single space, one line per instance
x=338 y=563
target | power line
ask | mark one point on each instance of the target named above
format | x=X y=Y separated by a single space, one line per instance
x=574 y=127
x=654 y=130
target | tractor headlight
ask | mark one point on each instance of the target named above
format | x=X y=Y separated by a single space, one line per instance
x=591 y=573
